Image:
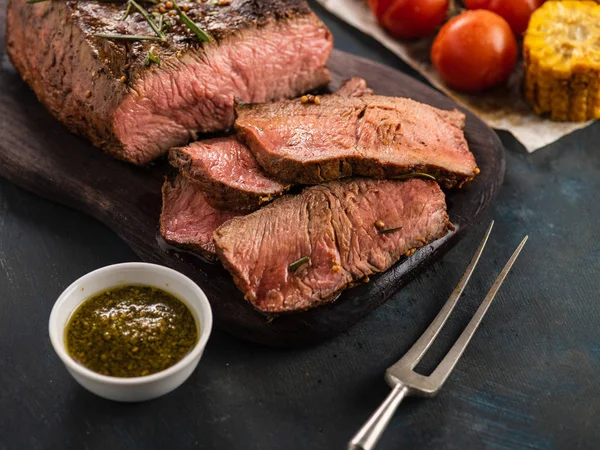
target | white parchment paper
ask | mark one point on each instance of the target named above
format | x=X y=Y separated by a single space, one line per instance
x=503 y=108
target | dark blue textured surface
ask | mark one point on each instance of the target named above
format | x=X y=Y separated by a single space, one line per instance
x=527 y=381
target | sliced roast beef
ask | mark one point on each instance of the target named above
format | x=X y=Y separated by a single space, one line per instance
x=227 y=172
x=302 y=251
x=136 y=108
x=354 y=87
x=187 y=219
x=375 y=136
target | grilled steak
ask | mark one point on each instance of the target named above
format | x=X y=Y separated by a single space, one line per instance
x=374 y=136
x=302 y=251
x=227 y=171
x=187 y=219
x=112 y=93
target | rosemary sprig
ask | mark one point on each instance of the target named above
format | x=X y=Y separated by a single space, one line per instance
x=126 y=37
x=157 y=28
x=200 y=34
x=414 y=175
x=127 y=11
x=151 y=58
x=297 y=264
x=162 y=24
x=390 y=230
x=149 y=19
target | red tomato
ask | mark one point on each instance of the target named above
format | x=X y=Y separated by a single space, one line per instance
x=474 y=51
x=408 y=19
x=379 y=7
x=477 y=4
x=515 y=12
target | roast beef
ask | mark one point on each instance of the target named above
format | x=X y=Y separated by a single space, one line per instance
x=187 y=219
x=354 y=87
x=302 y=251
x=227 y=171
x=111 y=91
x=375 y=136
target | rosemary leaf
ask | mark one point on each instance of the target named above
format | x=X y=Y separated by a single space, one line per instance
x=162 y=24
x=390 y=230
x=126 y=37
x=200 y=34
x=414 y=175
x=149 y=19
x=297 y=264
x=127 y=11
x=36 y=1
x=151 y=58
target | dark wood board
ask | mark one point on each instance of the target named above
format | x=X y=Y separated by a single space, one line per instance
x=40 y=155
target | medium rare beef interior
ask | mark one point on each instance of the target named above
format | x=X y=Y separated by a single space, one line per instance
x=187 y=219
x=302 y=251
x=373 y=136
x=108 y=91
x=227 y=172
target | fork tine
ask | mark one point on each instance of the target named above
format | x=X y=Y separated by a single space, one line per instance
x=416 y=352
x=440 y=374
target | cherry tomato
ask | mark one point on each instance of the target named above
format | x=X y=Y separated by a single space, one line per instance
x=408 y=19
x=474 y=51
x=379 y=7
x=515 y=12
x=477 y=4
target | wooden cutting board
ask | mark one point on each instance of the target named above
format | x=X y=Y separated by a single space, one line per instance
x=40 y=155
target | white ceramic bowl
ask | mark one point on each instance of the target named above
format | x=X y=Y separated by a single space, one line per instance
x=138 y=388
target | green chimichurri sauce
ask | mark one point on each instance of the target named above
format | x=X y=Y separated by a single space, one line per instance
x=131 y=331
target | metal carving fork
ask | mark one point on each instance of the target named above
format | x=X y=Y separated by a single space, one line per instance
x=401 y=377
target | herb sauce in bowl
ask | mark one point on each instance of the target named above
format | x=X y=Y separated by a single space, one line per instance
x=131 y=331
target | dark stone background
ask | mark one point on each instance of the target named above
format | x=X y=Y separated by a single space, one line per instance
x=527 y=381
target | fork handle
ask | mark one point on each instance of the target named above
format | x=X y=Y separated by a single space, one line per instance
x=369 y=434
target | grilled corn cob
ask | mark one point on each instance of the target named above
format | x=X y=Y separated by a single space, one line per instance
x=561 y=51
